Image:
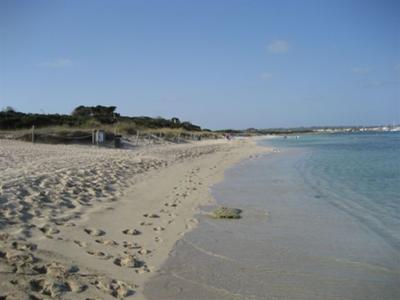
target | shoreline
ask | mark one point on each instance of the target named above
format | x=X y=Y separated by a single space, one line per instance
x=121 y=240
x=294 y=241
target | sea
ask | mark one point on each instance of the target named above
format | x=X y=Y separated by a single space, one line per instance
x=321 y=220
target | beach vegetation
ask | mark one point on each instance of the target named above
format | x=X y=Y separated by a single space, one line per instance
x=88 y=116
x=8 y=109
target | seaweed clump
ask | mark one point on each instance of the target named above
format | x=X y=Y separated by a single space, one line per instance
x=227 y=213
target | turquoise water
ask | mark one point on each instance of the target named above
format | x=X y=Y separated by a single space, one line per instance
x=320 y=221
x=360 y=172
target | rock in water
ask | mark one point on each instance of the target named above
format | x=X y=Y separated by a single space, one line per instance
x=227 y=213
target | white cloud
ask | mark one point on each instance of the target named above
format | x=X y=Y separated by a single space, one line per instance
x=278 y=47
x=57 y=63
x=266 y=76
x=361 y=70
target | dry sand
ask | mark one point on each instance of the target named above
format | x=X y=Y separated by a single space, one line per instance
x=81 y=222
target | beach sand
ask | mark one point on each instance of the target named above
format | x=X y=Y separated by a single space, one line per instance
x=82 y=222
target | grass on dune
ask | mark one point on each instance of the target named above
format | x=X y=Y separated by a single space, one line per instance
x=121 y=128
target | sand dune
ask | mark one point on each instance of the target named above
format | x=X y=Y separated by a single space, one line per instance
x=88 y=223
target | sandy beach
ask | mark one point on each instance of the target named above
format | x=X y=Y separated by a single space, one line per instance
x=197 y=150
x=82 y=222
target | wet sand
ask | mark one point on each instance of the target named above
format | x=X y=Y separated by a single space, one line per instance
x=88 y=223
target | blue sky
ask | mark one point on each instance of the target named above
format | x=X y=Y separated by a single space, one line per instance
x=219 y=64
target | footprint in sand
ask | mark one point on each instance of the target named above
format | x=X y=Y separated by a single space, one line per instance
x=130 y=245
x=4 y=236
x=57 y=285
x=55 y=269
x=158 y=239
x=46 y=287
x=76 y=286
x=128 y=261
x=131 y=231
x=154 y=216
x=115 y=288
x=94 y=231
x=23 y=246
x=80 y=243
x=99 y=254
x=158 y=228
x=146 y=223
x=107 y=242
x=46 y=229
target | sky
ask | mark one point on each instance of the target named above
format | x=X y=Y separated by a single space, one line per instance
x=219 y=64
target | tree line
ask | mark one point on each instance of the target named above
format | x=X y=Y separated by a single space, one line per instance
x=11 y=119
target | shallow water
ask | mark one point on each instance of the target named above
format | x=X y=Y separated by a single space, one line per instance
x=320 y=221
